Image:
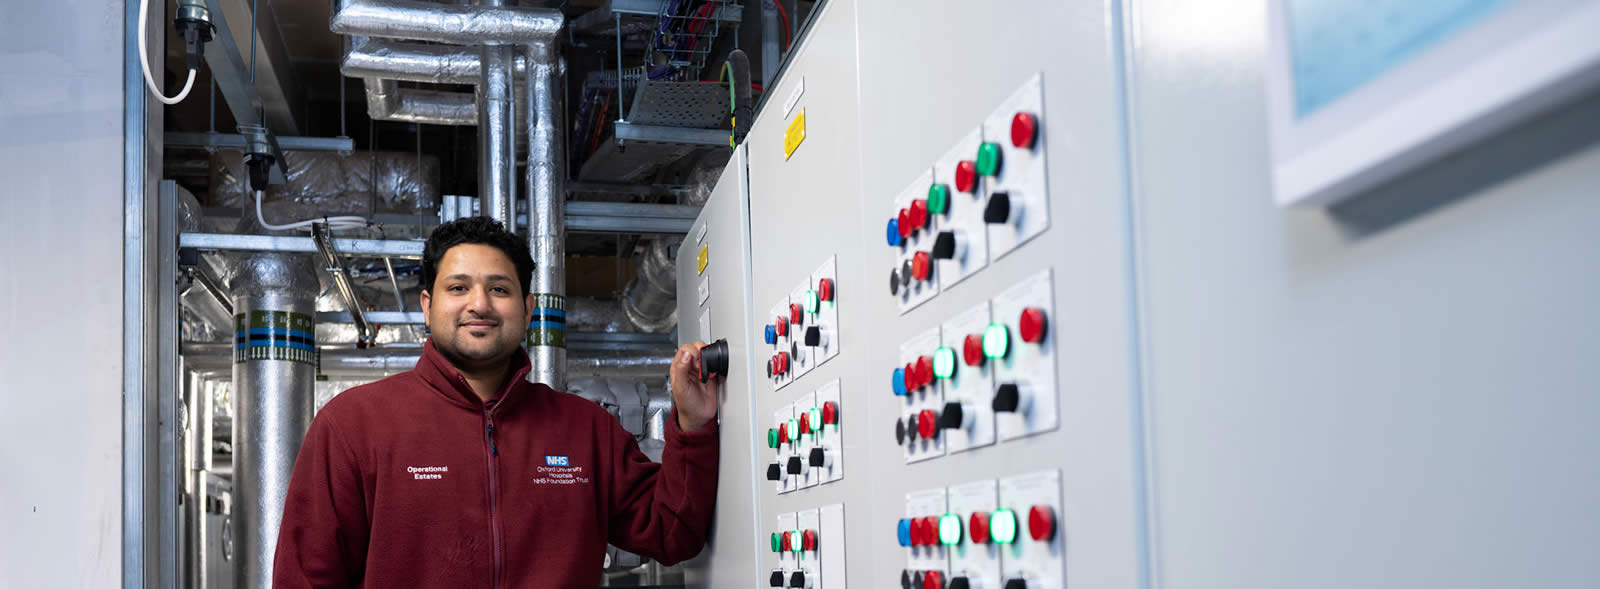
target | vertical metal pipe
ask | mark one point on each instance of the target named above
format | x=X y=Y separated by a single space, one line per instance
x=547 y=231
x=496 y=137
x=273 y=376
x=769 y=42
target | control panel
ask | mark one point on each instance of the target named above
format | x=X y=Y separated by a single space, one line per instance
x=991 y=376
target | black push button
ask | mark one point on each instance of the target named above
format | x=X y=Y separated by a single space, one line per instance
x=1007 y=398
x=774 y=472
x=944 y=246
x=813 y=335
x=999 y=208
x=816 y=458
x=952 y=417
x=795 y=466
x=776 y=580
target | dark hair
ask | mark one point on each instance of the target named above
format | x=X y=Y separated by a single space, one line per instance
x=475 y=230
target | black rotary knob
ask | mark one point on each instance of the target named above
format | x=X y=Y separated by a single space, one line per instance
x=774 y=472
x=960 y=583
x=952 y=417
x=944 y=246
x=816 y=457
x=714 y=360
x=813 y=335
x=776 y=580
x=797 y=580
x=1007 y=398
x=1016 y=584
x=795 y=466
x=999 y=208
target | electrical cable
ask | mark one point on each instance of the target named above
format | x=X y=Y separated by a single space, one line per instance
x=785 y=15
x=334 y=223
x=144 y=62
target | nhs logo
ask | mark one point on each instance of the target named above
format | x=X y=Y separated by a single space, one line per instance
x=555 y=460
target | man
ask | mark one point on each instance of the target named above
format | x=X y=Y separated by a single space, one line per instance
x=462 y=474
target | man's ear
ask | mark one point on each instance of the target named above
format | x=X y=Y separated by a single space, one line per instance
x=527 y=309
x=426 y=302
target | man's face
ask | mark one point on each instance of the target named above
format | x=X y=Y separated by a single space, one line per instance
x=476 y=311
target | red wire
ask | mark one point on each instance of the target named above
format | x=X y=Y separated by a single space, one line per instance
x=785 y=14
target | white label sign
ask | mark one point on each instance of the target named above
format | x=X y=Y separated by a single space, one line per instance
x=794 y=97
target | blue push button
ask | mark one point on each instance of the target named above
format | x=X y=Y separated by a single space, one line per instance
x=771 y=335
x=899 y=382
x=904 y=532
x=894 y=232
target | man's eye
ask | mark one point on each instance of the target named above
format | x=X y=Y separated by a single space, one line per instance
x=501 y=290
x=458 y=288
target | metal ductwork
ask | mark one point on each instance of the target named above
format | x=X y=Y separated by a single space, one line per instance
x=547 y=199
x=496 y=131
x=377 y=362
x=447 y=23
x=651 y=300
x=386 y=101
x=274 y=368
x=417 y=62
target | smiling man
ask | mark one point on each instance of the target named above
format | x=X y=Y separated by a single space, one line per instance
x=461 y=473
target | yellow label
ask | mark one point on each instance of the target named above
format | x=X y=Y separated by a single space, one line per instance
x=795 y=134
x=700 y=261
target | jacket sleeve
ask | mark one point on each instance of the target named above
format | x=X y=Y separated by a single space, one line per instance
x=322 y=541
x=664 y=510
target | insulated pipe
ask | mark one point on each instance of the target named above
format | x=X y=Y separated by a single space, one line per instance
x=418 y=62
x=445 y=23
x=386 y=101
x=273 y=374
x=547 y=229
x=496 y=137
x=651 y=299
x=378 y=362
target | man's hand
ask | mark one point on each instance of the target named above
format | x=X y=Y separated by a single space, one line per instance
x=696 y=401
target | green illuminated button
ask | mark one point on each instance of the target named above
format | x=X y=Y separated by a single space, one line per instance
x=950 y=529
x=1003 y=526
x=995 y=340
x=811 y=301
x=772 y=438
x=944 y=362
x=816 y=419
x=777 y=546
x=796 y=543
x=938 y=199
x=989 y=158
x=794 y=426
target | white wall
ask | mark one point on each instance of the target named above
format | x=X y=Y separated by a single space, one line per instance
x=61 y=195
x=1391 y=396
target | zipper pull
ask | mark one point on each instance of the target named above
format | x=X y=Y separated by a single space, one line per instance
x=489 y=429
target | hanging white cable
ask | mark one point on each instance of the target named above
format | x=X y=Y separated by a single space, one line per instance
x=335 y=223
x=144 y=61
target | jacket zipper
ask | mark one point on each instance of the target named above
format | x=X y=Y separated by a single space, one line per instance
x=493 y=454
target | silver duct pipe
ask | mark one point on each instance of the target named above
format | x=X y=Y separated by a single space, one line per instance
x=378 y=362
x=386 y=101
x=547 y=203
x=273 y=376
x=445 y=23
x=496 y=135
x=418 y=62
x=651 y=299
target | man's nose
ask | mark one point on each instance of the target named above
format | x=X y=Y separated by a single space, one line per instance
x=478 y=301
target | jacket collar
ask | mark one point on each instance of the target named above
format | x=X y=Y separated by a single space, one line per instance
x=443 y=378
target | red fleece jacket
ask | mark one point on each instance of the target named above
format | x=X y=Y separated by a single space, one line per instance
x=412 y=481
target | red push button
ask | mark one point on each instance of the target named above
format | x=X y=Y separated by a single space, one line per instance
x=978 y=527
x=783 y=433
x=1024 y=128
x=972 y=349
x=919 y=213
x=809 y=540
x=785 y=542
x=966 y=175
x=930 y=531
x=905 y=223
x=933 y=580
x=1041 y=523
x=805 y=422
x=927 y=424
x=782 y=325
x=795 y=316
x=1033 y=324
x=921 y=266
x=910 y=376
x=780 y=363
x=924 y=371
x=830 y=413
x=825 y=289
